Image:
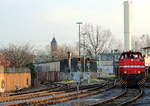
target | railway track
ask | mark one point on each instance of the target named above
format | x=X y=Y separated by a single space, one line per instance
x=19 y=96
x=59 y=96
x=77 y=96
x=126 y=97
x=147 y=85
x=53 y=86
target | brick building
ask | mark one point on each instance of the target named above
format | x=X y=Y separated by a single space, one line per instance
x=12 y=79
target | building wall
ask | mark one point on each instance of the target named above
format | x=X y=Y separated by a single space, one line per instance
x=51 y=76
x=59 y=70
x=106 y=66
x=45 y=67
x=14 y=80
x=107 y=62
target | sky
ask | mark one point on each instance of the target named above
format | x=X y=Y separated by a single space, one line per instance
x=38 y=21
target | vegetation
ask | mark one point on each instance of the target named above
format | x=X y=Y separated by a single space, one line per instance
x=111 y=76
x=95 y=40
x=62 y=51
x=92 y=80
x=141 y=42
x=17 y=56
x=67 y=81
x=83 y=82
x=33 y=72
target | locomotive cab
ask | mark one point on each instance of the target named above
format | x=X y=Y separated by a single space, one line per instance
x=131 y=68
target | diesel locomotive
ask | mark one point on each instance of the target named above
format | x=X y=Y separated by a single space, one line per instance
x=131 y=69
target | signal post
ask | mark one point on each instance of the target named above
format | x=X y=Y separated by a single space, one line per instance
x=78 y=73
x=88 y=66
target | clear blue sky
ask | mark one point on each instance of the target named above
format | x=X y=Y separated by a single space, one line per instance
x=37 y=21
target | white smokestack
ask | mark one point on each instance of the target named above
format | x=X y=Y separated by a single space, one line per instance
x=127 y=25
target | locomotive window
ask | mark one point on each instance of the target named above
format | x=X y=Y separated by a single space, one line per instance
x=126 y=56
x=132 y=56
x=136 y=56
x=129 y=56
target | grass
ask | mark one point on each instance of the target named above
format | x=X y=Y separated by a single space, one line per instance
x=83 y=82
x=111 y=76
x=93 y=80
x=67 y=81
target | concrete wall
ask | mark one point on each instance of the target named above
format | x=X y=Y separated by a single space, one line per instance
x=51 y=76
x=54 y=76
x=69 y=76
x=45 y=67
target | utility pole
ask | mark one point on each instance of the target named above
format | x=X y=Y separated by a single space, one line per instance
x=79 y=23
x=84 y=51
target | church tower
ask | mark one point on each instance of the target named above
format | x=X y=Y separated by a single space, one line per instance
x=53 y=47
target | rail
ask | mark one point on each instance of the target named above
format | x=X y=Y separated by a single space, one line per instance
x=66 y=97
x=133 y=99
x=122 y=95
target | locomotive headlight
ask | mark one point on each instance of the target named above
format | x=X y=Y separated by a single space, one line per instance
x=138 y=72
x=125 y=72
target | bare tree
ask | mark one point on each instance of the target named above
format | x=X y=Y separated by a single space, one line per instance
x=64 y=49
x=140 y=42
x=18 y=56
x=136 y=43
x=95 y=40
x=3 y=61
x=116 y=44
x=145 y=40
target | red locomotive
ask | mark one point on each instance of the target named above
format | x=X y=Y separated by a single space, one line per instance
x=131 y=69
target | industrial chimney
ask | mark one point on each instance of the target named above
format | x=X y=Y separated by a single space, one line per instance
x=127 y=25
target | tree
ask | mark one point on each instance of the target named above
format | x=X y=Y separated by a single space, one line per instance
x=18 y=56
x=136 y=43
x=141 y=42
x=3 y=61
x=95 y=40
x=116 y=44
x=62 y=51
x=33 y=72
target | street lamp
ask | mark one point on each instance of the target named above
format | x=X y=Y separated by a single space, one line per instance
x=79 y=23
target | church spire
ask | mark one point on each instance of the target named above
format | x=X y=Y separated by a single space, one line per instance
x=53 y=41
x=53 y=47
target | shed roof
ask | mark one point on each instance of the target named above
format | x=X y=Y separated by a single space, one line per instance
x=146 y=47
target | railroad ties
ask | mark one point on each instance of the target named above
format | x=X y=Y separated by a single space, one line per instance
x=126 y=97
x=54 y=97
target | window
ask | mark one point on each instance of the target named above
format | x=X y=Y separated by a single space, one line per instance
x=2 y=84
x=27 y=82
